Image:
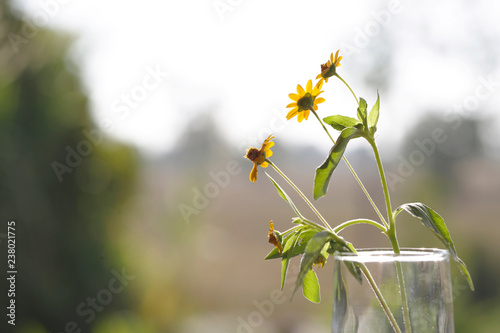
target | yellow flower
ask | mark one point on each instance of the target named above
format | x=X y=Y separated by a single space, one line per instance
x=273 y=239
x=329 y=69
x=305 y=101
x=258 y=156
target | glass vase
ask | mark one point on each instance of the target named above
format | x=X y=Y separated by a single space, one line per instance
x=410 y=290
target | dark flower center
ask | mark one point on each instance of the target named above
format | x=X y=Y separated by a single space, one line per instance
x=252 y=154
x=306 y=102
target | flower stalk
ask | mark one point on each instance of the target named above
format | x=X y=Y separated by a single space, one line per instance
x=391 y=234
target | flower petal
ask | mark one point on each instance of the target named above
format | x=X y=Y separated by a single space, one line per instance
x=319 y=100
x=267 y=146
x=291 y=105
x=253 y=173
x=336 y=56
x=292 y=113
x=316 y=91
x=300 y=117
x=294 y=97
x=306 y=114
x=300 y=91
x=267 y=143
x=264 y=164
x=309 y=86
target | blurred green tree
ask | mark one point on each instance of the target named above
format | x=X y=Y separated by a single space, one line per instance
x=61 y=181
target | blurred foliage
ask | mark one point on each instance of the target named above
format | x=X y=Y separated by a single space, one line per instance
x=458 y=178
x=62 y=240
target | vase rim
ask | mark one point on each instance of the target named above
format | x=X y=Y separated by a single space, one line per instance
x=387 y=254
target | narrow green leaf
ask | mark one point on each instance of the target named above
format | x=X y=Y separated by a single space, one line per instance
x=362 y=111
x=325 y=170
x=435 y=223
x=287 y=249
x=285 y=196
x=313 y=249
x=310 y=287
x=373 y=115
x=353 y=267
x=340 y=306
x=339 y=122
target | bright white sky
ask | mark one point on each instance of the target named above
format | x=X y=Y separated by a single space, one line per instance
x=241 y=61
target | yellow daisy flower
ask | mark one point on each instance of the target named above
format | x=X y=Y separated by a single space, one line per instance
x=305 y=101
x=273 y=239
x=330 y=68
x=257 y=156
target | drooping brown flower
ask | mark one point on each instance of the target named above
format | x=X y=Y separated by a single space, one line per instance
x=258 y=156
x=273 y=239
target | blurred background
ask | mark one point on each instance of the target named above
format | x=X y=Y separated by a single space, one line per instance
x=122 y=130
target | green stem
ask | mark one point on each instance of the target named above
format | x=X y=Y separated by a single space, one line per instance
x=380 y=298
x=381 y=217
x=301 y=194
x=383 y=180
x=378 y=294
x=291 y=230
x=346 y=224
x=314 y=224
x=355 y=97
x=391 y=233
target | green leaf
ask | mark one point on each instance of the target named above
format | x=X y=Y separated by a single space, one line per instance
x=310 y=287
x=287 y=249
x=340 y=306
x=435 y=223
x=312 y=251
x=325 y=170
x=339 y=122
x=284 y=196
x=362 y=111
x=373 y=116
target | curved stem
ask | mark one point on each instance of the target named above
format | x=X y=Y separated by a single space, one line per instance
x=341 y=79
x=349 y=166
x=323 y=125
x=314 y=224
x=290 y=230
x=301 y=194
x=346 y=224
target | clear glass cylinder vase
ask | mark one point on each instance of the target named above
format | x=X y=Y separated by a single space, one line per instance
x=410 y=290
